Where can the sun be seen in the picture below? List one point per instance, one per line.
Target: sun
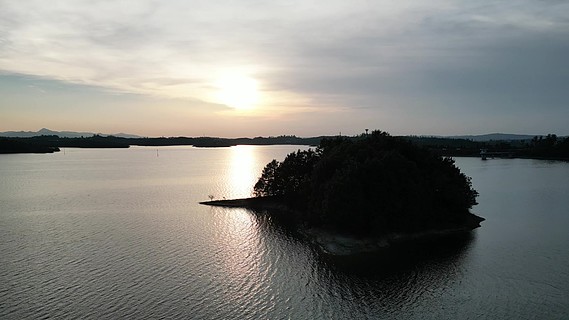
(237, 91)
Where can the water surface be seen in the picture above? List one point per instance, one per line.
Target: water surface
(118, 233)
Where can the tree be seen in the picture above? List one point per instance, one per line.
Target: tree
(269, 184)
(286, 178)
(371, 183)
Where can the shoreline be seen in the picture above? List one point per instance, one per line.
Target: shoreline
(339, 244)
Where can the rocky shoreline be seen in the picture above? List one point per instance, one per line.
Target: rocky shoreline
(337, 244)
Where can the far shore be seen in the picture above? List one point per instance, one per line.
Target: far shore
(549, 148)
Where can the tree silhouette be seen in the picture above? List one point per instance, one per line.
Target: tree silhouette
(374, 183)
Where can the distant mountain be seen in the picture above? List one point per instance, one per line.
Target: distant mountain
(495, 137)
(61, 134)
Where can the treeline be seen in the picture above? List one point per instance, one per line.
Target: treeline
(224, 142)
(371, 184)
(549, 147)
(18, 146)
(51, 141)
(540, 147)
(98, 141)
(546, 147)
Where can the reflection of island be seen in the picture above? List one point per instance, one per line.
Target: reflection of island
(362, 195)
(401, 281)
(401, 256)
(390, 282)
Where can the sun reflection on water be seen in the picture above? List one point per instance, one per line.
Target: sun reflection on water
(240, 262)
(242, 171)
(240, 256)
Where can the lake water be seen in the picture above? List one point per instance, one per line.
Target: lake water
(118, 233)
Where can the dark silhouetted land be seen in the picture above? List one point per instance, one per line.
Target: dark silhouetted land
(359, 194)
(18, 146)
(539, 147)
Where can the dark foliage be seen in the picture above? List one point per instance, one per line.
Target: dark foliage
(370, 184)
(550, 146)
(288, 178)
(17, 146)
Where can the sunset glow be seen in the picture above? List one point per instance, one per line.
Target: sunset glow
(237, 91)
(246, 68)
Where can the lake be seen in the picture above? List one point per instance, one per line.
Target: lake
(119, 233)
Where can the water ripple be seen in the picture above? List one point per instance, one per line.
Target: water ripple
(107, 234)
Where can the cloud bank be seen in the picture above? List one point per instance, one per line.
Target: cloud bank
(412, 65)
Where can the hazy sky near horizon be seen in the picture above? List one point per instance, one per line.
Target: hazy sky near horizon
(249, 68)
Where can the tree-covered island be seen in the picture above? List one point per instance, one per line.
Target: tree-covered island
(352, 195)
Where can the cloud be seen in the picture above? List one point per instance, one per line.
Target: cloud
(446, 56)
(510, 54)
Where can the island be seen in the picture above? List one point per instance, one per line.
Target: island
(354, 195)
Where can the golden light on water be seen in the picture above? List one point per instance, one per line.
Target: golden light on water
(240, 235)
(242, 171)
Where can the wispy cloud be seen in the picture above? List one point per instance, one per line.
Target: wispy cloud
(443, 55)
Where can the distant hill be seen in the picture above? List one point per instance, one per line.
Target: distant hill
(62, 134)
(495, 137)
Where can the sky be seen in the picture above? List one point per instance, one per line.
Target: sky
(237, 68)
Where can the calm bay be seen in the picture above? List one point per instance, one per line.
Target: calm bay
(119, 233)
